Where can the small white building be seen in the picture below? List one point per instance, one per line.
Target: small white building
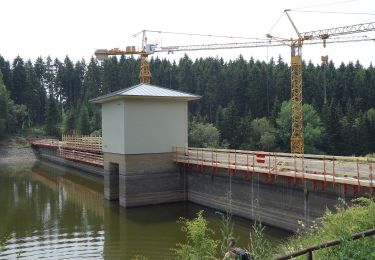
(144, 119)
(140, 126)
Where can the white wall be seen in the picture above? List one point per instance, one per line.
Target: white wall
(154, 125)
(113, 127)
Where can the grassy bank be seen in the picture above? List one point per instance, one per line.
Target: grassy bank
(342, 225)
(347, 221)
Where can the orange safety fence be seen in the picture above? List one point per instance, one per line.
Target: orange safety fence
(84, 149)
(79, 156)
(355, 171)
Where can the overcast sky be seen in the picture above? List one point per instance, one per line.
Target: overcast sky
(77, 27)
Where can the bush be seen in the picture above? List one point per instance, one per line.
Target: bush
(259, 247)
(203, 135)
(226, 230)
(200, 244)
(34, 131)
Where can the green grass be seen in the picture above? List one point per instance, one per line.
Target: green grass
(341, 225)
(347, 221)
(33, 131)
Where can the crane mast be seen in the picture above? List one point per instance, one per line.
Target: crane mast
(144, 73)
(297, 144)
(297, 136)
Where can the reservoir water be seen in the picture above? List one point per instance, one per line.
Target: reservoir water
(51, 212)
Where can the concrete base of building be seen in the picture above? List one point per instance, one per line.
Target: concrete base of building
(148, 189)
(144, 179)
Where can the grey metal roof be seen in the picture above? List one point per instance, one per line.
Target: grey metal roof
(145, 91)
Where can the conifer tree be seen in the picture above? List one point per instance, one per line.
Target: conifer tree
(52, 118)
(110, 75)
(70, 122)
(49, 76)
(92, 86)
(19, 81)
(83, 121)
(4, 99)
(7, 73)
(32, 90)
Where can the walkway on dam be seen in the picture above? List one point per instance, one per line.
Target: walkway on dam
(358, 171)
(83, 149)
(345, 170)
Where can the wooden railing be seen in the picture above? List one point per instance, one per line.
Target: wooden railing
(84, 149)
(82, 143)
(334, 169)
(309, 250)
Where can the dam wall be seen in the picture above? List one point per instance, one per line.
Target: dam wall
(148, 179)
(276, 202)
(51, 155)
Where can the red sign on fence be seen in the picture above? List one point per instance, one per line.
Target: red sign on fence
(260, 158)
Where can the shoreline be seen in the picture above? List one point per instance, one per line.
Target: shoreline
(13, 155)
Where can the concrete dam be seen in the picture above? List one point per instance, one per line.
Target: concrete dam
(144, 157)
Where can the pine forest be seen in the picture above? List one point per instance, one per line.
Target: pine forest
(244, 104)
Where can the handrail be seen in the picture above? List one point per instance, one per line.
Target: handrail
(312, 156)
(84, 149)
(310, 249)
(355, 171)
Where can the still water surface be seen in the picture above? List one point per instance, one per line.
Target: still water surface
(51, 212)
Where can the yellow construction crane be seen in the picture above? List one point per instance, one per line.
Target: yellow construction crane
(146, 49)
(314, 37)
(297, 137)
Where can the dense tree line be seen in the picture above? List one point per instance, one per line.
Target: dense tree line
(245, 100)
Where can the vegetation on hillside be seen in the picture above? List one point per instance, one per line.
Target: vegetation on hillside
(245, 100)
(204, 135)
(340, 225)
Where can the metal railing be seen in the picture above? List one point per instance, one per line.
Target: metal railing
(356, 171)
(309, 250)
(79, 156)
(84, 149)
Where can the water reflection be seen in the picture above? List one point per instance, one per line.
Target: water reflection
(49, 213)
(55, 213)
